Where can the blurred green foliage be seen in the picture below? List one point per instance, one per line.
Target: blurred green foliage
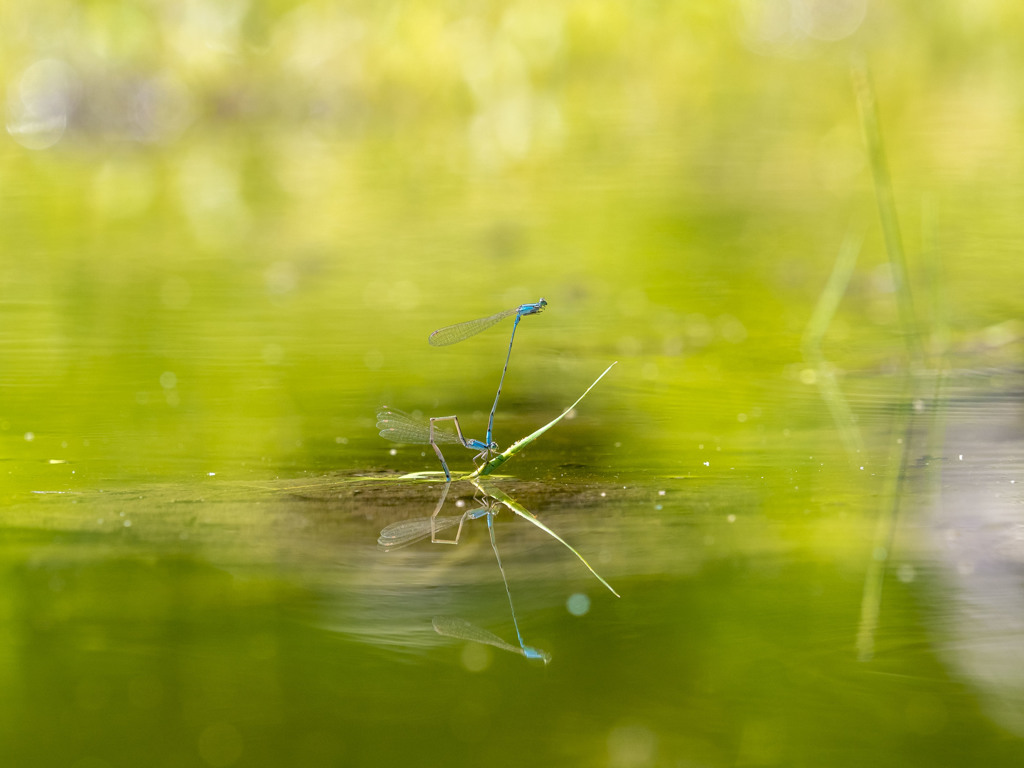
(273, 203)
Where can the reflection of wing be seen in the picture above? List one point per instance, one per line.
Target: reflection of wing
(401, 427)
(406, 532)
(452, 626)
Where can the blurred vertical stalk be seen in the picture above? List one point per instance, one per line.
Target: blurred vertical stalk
(887, 210)
(910, 396)
(934, 277)
(885, 527)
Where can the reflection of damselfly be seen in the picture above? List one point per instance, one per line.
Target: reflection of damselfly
(401, 427)
(406, 532)
(460, 629)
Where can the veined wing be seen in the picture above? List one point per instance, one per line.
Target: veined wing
(452, 626)
(406, 532)
(401, 427)
(452, 334)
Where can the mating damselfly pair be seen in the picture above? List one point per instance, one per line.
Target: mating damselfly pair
(401, 427)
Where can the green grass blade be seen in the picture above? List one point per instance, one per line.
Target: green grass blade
(517, 446)
(526, 514)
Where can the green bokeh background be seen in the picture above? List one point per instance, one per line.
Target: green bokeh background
(226, 229)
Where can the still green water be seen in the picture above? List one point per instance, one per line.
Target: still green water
(225, 235)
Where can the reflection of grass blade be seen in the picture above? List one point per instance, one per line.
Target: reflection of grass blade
(517, 446)
(526, 514)
(832, 293)
(821, 318)
(885, 532)
(451, 626)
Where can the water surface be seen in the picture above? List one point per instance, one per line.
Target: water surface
(224, 240)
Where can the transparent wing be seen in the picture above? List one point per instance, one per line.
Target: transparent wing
(401, 427)
(452, 334)
(406, 532)
(452, 626)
